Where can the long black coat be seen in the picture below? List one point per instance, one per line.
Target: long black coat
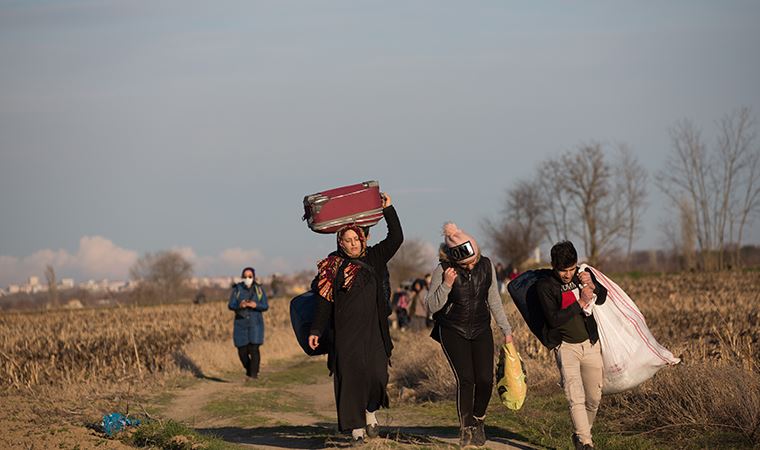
(361, 346)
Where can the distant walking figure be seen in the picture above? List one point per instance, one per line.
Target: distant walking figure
(419, 310)
(248, 300)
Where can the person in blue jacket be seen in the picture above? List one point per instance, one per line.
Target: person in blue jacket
(248, 300)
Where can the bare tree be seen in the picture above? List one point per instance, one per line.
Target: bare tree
(163, 274)
(722, 188)
(522, 229)
(686, 175)
(52, 285)
(680, 236)
(505, 242)
(741, 165)
(555, 201)
(632, 180)
(412, 260)
(688, 238)
(589, 183)
(578, 194)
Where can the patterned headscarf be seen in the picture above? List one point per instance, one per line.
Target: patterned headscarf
(328, 267)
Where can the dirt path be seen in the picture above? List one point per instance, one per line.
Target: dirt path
(291, 406)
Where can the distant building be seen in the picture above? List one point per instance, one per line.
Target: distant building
(213, 282)
(14, 289)
(38, 288)
(67, 283)
(117, 286)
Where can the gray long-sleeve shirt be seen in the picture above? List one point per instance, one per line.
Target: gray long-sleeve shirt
(439, 294)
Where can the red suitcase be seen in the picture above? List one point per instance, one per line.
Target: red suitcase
(326, 212)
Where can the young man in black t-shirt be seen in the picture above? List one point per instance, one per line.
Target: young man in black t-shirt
(566, 299)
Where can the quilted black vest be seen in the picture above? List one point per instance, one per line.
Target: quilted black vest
(466, 309)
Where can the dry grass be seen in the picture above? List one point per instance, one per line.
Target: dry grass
(59, 370)
(711, 321)
(419, 369)
(67, 347)
(703, 397)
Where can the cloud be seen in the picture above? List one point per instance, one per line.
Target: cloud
(188, 253)
(229, 261)
(239, 256)
(98, 258)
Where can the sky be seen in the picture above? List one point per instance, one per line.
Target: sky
(129, 127)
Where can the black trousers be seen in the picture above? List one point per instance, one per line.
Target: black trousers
(472, 363)
(251, 359)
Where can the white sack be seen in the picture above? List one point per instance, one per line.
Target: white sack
(630, 352)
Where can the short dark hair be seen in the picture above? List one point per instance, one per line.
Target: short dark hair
(242, 274)
(563, 255)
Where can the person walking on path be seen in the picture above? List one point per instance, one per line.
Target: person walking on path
(354, 304)
(248, 300)
(419, 311)
(566, 298)
(463, 297)
(400, 305)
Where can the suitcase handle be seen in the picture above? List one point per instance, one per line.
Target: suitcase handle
(314, 206)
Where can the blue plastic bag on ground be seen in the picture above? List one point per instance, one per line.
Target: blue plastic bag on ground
(115, 422)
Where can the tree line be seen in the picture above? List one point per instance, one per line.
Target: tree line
(596, 194)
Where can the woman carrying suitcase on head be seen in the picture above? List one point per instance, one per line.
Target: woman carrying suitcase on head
(354, 303)
(463, 297)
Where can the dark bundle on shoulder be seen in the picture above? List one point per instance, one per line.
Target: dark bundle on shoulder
(523, 292)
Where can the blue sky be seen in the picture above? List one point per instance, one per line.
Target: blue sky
(128, 127)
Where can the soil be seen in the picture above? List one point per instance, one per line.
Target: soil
(33, 423)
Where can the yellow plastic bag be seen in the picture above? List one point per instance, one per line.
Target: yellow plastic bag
(510, 374)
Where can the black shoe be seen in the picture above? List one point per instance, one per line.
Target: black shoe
(358, 442)
(479, 433)
(372, 431)
(465, 439)
(580, 446)
(577, 445)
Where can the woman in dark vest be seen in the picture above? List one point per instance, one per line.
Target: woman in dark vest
(463, 297)
(354, 303)
(248, 300)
